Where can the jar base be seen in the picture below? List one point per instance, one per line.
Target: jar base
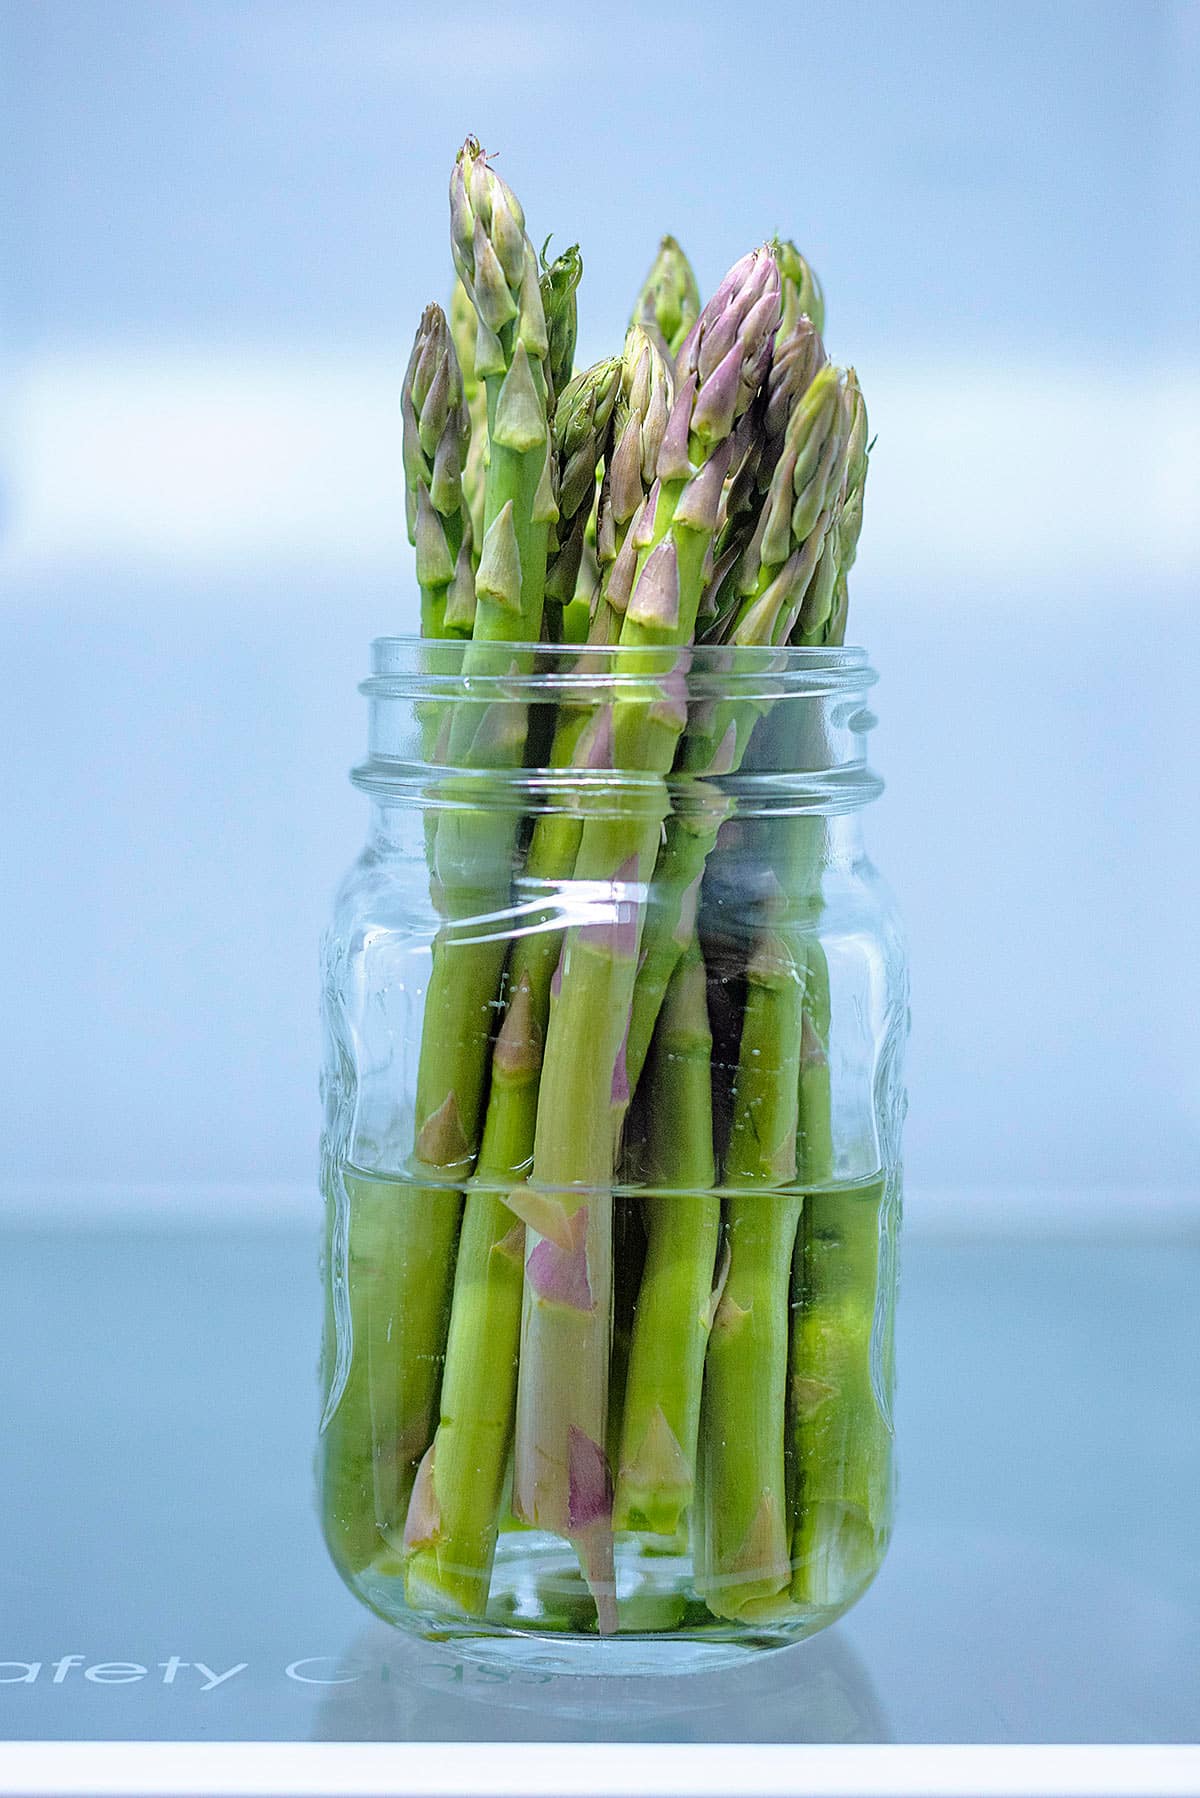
(541, 1619)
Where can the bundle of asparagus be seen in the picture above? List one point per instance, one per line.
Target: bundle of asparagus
(702, 487)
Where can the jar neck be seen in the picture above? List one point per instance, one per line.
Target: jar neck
(534, 728)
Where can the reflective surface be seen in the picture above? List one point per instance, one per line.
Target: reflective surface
(1043, 1583)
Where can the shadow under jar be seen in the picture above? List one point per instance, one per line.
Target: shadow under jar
(614, 1011)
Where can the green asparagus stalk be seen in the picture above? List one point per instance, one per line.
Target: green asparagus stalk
(372, 1433)
(561, 1476)
(581, 430)
(473, 850)
(464, 326)
(453, 1518)
(772, 579)
(673, 1315)
(850, 520)
(842, 1432)
(639, 424)
(842, 1429)
(436, 445)
(559, 285)
(436, 435)
(373, 1439)
(811, 458)
(744, 1559)
(816, 1107)
(669, 302)
(802, 296)
(498, 268)
(455, 1512)
(798, 357)
(822, 617)
(577, 613)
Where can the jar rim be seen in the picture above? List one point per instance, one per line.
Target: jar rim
(419, 681)
(413, 667)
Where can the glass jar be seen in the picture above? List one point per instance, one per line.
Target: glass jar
(611, 1155)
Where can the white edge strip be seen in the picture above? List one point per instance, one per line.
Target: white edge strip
(613, 1769)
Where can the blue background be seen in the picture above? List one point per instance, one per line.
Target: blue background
(220, 222)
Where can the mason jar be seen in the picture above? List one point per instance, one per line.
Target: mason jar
(611, 1154)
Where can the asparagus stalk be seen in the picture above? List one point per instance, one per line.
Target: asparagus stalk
(464, 326)
(798, 357)
(842, 1431)
(561, 1477)
(559, 285)
(674, 1310)
(398, 1243)
(498, 268)
(436, 422)
(772, 580)
(769, 605)
(373, 1430)
(473, 850)
(639, 423)
(581, 430)
(454, 1513)
(802, 296)
(850, 521)
(744, 1560)
(668, 304)
(436, 435)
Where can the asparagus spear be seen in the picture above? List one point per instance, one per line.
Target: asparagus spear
(454, 1516)
(668, 304)
(498, 268)
(436, 434)
(561, 1478)
(842, 1429)
(464, 326)
(744, 1563)
(822, 618)
(838, 1453)
(802, 296)
(372, 1434)
(394, 1241)
(771, 582)
(436, 423)
(850, 521)
(639, 423)
(787, 545)
(583, 737)
(798, 357)
(674, 1307)
(559, 284)
(473, 850)
(581, 428)
(795, 360)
